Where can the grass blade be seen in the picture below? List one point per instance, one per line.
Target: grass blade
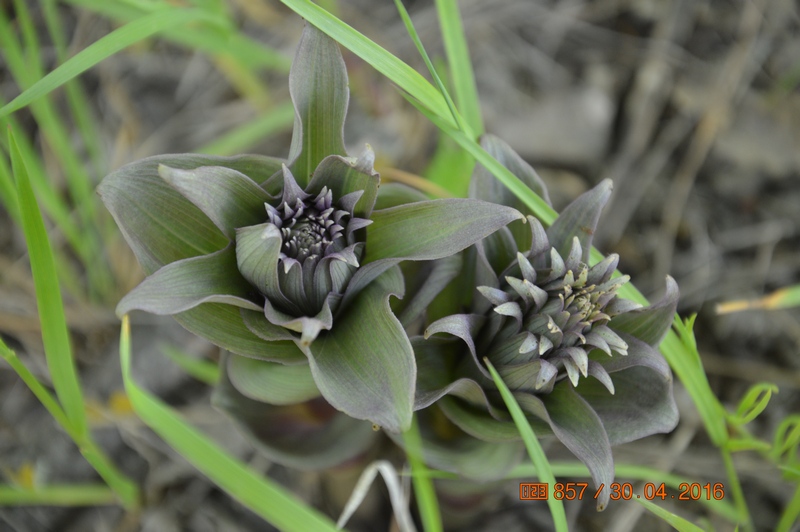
(38, 389)
(679, 523)
(76, 96)
(421, 49)
(535, 450)
(791, 513)
(787, 297)
(55, 495)
(25, 64)
(267, 499)
(202, 370)
(107, 46)
(8, 192)
(48, 298)
(455, 46)
(251, 54)
(423, 487)
(537, 205)
(55, 337)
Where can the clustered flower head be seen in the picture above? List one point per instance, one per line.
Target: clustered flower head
(288, 265)
(303, 257)
(552, 317)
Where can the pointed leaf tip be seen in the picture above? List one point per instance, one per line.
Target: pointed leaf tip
(319, 90)
(580, 218)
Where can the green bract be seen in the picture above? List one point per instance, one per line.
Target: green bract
(580, 361)
(286, 265)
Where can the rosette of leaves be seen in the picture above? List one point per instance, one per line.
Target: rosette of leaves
(582, 362)
(287, 265)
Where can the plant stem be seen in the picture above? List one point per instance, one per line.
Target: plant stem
(738, 494)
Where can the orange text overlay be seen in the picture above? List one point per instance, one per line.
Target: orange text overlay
(568, 491)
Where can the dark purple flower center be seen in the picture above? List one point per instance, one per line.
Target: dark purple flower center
(311, 228)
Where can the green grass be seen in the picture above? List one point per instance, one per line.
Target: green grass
(73, 218)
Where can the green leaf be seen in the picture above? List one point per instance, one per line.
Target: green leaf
(258, 248)
(310, 435)
(159, 224)
(679, 523)
(753, 403)
(652, 323)
(450, 167)
(55, 335)
(787, 438)
(365, 366)
(271, 383)
(737, 445)
(642, 404)
(485, 186)
(580, 429)
(318, 85)
(229, 198)
(187, 283)
(343, 175)
(394, 194)
(580, 218)
(441, 273)
(261, 495)
(106, 47)
(428, 230)
(223, 325)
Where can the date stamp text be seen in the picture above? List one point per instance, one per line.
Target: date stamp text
(569, 491)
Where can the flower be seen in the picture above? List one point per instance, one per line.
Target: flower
(582, 362)
(286, 264)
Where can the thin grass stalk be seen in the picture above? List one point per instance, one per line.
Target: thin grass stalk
(250, 53)
(58, 495)
(76, 95)
(735, 487)
(455, 46)
(535, 451)
(423, 486)
(791, 513)
(462, 126)
(55, 335)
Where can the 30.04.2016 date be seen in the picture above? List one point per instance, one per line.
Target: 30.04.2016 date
(687, 491)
